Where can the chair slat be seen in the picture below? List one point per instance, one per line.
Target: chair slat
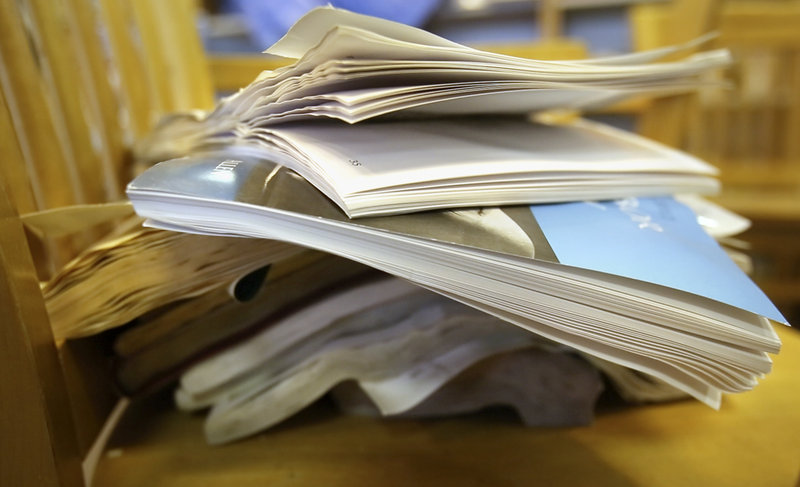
(105, 102)
(13, 170)
(178, 71)
(137, 99)
(38, 444)
(53, 176)
(68, 78)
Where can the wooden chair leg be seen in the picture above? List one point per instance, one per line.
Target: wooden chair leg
(38, 445)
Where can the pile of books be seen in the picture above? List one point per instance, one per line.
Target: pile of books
(419, 245)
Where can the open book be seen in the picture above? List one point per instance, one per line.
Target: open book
(636, 282)
(402, 166)
(458, 135)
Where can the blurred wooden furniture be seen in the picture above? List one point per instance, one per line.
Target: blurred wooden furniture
(81, 80)
(78, 95)
(748, 127)
(664, 24)
(750, 130)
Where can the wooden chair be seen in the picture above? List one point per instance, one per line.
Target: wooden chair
(82, 80)
(747, 128)
(659, 25)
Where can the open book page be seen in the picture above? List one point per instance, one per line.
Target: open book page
(401, 166)
(495, 259)
(410, 153)
(453, 158)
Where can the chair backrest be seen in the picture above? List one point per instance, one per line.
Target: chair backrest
(80, 82)
(83, 79)
(749, 129)
(662, 24)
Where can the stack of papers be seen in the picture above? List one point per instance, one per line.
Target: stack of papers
(408, 154)
(636, 282)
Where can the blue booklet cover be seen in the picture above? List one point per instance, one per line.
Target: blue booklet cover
(656, 240)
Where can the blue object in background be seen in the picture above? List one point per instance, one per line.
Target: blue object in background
(268, 20)
(605, 30)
